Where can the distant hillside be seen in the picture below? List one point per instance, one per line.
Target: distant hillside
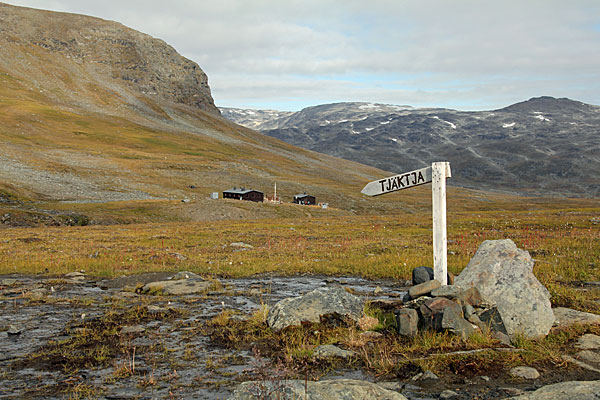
(543, 146)
(99, 119)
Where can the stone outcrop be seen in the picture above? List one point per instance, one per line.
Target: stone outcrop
(503, 275)
(311, 306)
(567, 317)
(324, 390)
(576, 390)
(181, 283)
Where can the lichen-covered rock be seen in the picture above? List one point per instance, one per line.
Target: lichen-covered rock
(567, 317)
(575, 390)
(503, 275)
(177, 287)
(329, 350)
(311, 306)
(335, 389)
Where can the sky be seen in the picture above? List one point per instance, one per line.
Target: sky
(291, 54)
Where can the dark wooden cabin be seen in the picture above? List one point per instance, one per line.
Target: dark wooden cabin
(305, 199)
(244, 194)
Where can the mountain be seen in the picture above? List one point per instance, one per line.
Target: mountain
(542, 146)
(101, 120)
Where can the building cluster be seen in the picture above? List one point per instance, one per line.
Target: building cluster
(258, 196)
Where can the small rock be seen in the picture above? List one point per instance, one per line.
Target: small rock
(421, 275)
(13, 331)
(75, 275)
(132, 329)
(184, 275)
(485, 378)
(424, 375)
(8, 282)
(449, 291)
(589, 341)
(407, 322)
(377, 290)
(241, 245)
(328, 350)
(311, 306)
(423, 288)
(468, 310)
(589, 356)
(574, 390)
(567, 317)
(524, 372)
(448, 395)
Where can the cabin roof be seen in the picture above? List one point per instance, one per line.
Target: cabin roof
(298, 196)
(240, 191)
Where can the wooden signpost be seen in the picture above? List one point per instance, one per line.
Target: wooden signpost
(436, 174)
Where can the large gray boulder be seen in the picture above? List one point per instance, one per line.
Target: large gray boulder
(574, 390)
(311, 306)
(335, 389)
(503, 275)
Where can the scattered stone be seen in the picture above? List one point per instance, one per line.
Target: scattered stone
(423, 288)
(407, 322)
(133, 329)
(334, 389)
(152, 309)
(524, 372)
(448, 395)
(589, 356)
(311, 306)
(377, 290)
(8, 282)
(566, 317)
(75, 275)
(329, 350)
(424, 375)
(589, 341)
(574, 390)
(185, 275)
(13, 331)
(485, 378)
(241, 245)
(503, 274)
(581, 364)
(176, 287)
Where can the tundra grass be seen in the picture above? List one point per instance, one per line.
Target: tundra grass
(565, 245)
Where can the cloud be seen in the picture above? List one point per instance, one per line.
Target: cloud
(462, 52)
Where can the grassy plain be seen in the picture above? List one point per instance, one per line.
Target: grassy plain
(565, 244)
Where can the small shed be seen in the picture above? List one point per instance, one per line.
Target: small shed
(244, 194)
(305, 199)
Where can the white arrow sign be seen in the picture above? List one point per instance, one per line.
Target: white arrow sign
(398, 182)
(437, 174)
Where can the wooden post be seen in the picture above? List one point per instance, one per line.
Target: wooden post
(440, 171)
(436, 174)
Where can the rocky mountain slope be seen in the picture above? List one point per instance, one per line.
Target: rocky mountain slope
(99, 119)
(543, 146)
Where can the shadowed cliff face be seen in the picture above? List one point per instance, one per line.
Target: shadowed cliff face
(98, 52)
